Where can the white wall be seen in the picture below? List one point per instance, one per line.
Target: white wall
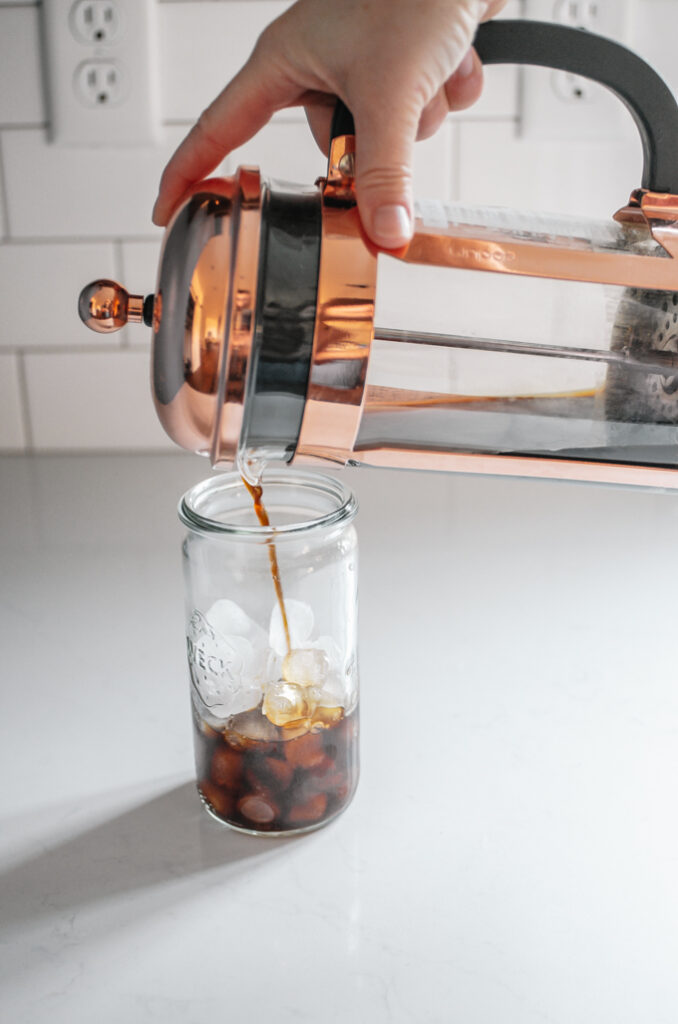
(70, 215)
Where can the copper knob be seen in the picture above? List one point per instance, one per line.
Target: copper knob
(106, 306)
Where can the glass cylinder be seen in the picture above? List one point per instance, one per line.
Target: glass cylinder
(271, 632)
(503, 364)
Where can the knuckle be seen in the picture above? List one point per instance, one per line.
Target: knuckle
(206, 129)
(388, 178)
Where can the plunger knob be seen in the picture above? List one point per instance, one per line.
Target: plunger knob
(105, 306)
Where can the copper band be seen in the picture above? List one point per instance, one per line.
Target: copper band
(135, 309)
(514, 465)
(344, 321)
(561, 258)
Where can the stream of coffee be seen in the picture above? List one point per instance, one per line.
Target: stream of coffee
(256, 492)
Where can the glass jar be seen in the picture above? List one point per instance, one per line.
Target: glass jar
(271, 632)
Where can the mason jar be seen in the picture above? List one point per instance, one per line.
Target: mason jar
(271, 634)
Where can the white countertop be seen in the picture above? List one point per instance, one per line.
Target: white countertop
(511, 856)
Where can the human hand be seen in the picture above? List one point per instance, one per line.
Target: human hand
(398, 65)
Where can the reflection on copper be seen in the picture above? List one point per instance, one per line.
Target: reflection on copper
(237, 343)
(157, 312)
(135, 309)
(105, 306)
(205, 376)
(190, 415)
(206, 413)
(204, 324)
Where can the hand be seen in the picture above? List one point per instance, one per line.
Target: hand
(398, 65)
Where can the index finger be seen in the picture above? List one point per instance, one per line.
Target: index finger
(239, 111)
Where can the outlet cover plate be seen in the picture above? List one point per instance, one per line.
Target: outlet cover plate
(557, 107)
(83, 39)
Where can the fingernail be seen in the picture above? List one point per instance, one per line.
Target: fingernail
(392, 224)
(465, 69)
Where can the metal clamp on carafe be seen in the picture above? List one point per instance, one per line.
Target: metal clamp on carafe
(263, 319)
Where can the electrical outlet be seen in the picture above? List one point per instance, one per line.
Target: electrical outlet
(99, 81)
(559, 106)
(95, 22)
(101, 60)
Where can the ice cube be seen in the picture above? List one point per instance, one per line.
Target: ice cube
(273, 668)
(305, 667)
(251, 729)
(230, 619)
(332, 693)
(286, 702)
(300, 622)
(331, 648)
(225, 670)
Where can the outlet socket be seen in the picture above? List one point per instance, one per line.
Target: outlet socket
(95, 22)
(99, 82)
(101, 72)
(561, 107)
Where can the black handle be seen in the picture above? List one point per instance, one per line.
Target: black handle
(342, 121)
(580, 52)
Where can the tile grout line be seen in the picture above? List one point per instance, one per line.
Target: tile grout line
(81, 349)
(25, 404)
(47, 240)
(4, 198)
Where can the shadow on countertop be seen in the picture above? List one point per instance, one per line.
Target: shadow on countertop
(161, 844)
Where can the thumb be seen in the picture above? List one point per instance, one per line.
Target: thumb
(384, 153)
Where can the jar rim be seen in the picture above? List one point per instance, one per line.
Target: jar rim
(345, 504)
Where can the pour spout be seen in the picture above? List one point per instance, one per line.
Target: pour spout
(105, 306)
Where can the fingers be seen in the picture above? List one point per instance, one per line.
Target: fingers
(319, 117)
(493, 8)
(241, 109)
(384, 152)
(464, 87)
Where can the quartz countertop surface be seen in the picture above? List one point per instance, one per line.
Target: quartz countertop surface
(511, 854)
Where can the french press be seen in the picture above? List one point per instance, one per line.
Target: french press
(263, 319)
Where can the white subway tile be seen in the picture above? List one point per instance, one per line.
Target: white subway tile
(432, 165)
(499, 97)
(500, 87)
(586, 179)
(41, 284)
(92, 401)
(21, 99)
(653, 36)
(61, 191)
(11, 424)
(203, 45)
(284, 152)
(140, 266)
